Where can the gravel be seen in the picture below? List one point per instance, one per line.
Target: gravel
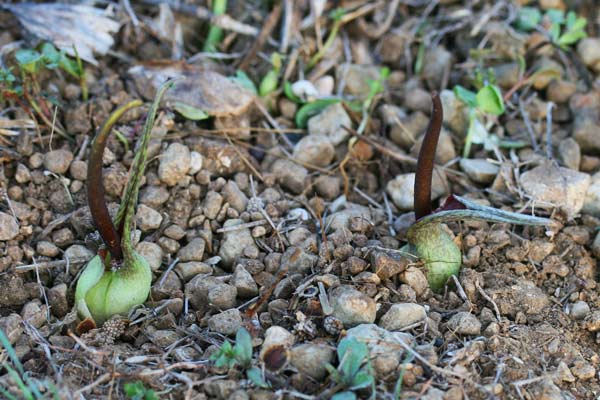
(58, 161)
(401, 315)
(352, 307)
(9, 228)
(174, 164)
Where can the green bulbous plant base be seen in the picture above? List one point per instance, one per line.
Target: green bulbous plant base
(102, 294)
(436, 248)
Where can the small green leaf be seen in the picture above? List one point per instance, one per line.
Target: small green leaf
(311, 109)
(570, 37)
(254, 375)
(135, 390)
(69, 66)
(528, 18)
(334, 374)
(420, 58)
(579, 24)
(466, 96)
(362, 380)
(269, 83)
(344, 396)
(554, 32)
(189, 112)
(243, 347)
(50, 55)
(28, 60)
(352, 354)
(489, 100)
(244, 80)
(555, 16)
(289, 93)
(337, 13)
(7, 76)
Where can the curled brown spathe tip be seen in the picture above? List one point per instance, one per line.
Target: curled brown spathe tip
(425, 162)
(95, 188)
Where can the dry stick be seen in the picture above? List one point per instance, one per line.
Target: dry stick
(95, 192)
(528, 125)
(288, 16)
(51, 264)
(549, 152)
(375, 32)
(425, 162)
(244, 159)
(264, 34)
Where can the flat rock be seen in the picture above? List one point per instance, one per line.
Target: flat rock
(314, 150)
(352, 307)
(227, 322)
(290, 175)
(234, 242)
(58, 161)
(193, 251)
(188, 270)
(330, 123)
(341, 219)
(402, 188)
(558, 186)
(244, 283)
(479, 170)
(174, 164)
(401, 315)
(147, 219)
(385, 351)
(203, 89)
(464, 323)
(310, 359)
(152, 252)
(9, 228)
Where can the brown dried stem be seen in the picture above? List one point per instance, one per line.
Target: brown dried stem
(426, 159)
(95, 188)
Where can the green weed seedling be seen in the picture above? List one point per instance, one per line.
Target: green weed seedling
(484, 105)
(354, 371)
(215, 34)
(270, 81)
(564, 30)
(239, 354)
(137, 391)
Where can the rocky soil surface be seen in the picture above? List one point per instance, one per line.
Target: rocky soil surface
(267, 216)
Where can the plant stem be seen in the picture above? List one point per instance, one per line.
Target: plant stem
(215, 33)
(424, 173)
(95, 188)
(334, 31)
(129, 201)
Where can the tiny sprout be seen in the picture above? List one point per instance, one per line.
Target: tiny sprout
(114, 282)
(427, 238)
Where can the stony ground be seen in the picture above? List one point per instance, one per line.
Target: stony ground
(290, 227)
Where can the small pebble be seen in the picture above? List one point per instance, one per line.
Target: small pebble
(9, 228)
(174, 164)
(227, 322)
(352, 307)
(401, 315)
(147, 219)
(58, 161)
(464, 323)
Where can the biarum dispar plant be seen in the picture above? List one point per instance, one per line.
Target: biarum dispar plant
(118, 278)
(428, 240)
